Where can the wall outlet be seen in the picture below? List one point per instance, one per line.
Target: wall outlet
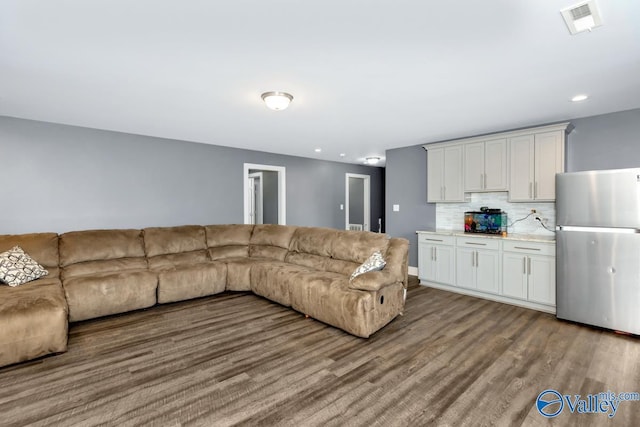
(396, 208)
(341, 207)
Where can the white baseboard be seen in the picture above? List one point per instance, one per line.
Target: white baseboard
(413, 271)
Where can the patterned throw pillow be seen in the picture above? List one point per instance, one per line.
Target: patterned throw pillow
(16, 267)
(374, 263)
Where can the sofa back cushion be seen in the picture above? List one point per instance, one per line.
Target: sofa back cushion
(228, 240)
(171, 246)
(42, 247)
(311, 247)
(357, 246)
(270, 241)
(100, 245)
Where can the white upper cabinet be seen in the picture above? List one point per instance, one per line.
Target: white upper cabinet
(444, 174)
(523, 162)
(485, 166)
(534, 161)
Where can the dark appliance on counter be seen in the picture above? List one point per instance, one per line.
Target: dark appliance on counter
(485, 221)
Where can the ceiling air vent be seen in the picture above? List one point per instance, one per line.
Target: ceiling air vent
(582, 16)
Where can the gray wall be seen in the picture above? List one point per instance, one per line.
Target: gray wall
(406, 176)
(607, 141)
(356, 202)
(60, 178)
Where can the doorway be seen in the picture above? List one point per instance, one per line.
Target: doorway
(264, 194)
(357, 202)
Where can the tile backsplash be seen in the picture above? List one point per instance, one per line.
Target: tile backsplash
(450, 216)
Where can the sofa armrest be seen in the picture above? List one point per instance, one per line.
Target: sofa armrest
(373, 280)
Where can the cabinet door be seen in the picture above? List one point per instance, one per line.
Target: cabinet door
(423, 261)
(542, 279)
(495, 165)
(474, 167)
(444, 264)
(514, 275)
(453, 191)
(466, 268)
(488, 271)
(435, 175)
(548, 162)
(521, 168)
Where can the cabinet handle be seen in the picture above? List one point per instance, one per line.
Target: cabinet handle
(433, 240)
(477, 263)
(526, 249)
(530, 190)
(524, 265)
(529, 262)
(474, 243)
(473, 259)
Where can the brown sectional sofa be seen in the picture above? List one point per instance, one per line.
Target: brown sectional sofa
(96, 273)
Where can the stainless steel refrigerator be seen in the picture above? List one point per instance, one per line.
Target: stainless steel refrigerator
(598, 248)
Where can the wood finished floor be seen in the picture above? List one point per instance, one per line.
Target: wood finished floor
(240, 359)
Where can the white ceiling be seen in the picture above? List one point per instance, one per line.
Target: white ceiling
(366, 75)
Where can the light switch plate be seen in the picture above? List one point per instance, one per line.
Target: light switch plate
(396, 208)
(341, 207)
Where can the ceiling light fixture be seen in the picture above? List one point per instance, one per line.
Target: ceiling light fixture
(318, 150)
(579, 98)
(277, 100)
(372, 160)
(342, 154)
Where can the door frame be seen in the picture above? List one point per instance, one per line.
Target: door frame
(367, 200)
(282, 190)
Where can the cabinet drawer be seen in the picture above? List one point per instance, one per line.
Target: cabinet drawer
(436, 239)
(478, 242)
(534, 248)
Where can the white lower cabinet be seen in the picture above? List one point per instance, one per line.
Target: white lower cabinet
(520, 272)
(436, 259)
(529, 272)
(478, 264)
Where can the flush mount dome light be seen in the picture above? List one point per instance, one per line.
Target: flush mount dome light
(579, 98)
(372, 160)
(277, 100)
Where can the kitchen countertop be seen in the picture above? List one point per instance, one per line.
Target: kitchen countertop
(511, 236)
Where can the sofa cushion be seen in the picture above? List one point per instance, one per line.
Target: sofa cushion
(161, 262)
(93, 245)
(315, 262)
(173, 240)
(345, 268)
(313, 240)
(239, 272)
(228, 234)
(103, 294)
(272, 279)
(270, 241)
(33, 321)
(105, 266)
(328, 298)
(42, 247)
(357, 246)
(191, 281)
(17, 267)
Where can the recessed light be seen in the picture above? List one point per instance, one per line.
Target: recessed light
(579, 98)
(317, 150)
(342, 154)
